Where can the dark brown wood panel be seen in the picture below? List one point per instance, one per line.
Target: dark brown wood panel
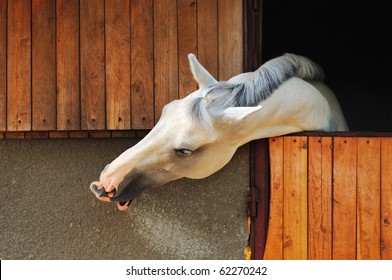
(165, 54)
(207, 35)
(118, 68)
(142, 63)
(19, 66)
(43, 65)
(187, 43)
(83, 65)
(68, 77)
(230, 26)
(3, 65)
(92, 64)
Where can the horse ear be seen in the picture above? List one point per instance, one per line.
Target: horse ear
(234, 115)
(201, 75)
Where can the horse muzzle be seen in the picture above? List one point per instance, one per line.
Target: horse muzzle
(131, 186)
(103, 195)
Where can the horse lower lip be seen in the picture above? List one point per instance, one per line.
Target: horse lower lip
(122, 206)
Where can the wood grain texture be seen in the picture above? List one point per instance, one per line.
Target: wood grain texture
(295, 210)
(68, 78)
(259, 197)
(142, 63)
(368, 196)
(320, 198)
(165, 54)
(230, 38)
(274, 244)
(3, 65)
(19, 66)
(118, 59)
(43, 65)
(92, 64)
(207, 35)
(386, 199)
(187, 43)
(344, 199)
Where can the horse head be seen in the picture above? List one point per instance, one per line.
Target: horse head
(190, 140)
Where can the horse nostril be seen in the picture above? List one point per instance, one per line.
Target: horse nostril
(98, 190)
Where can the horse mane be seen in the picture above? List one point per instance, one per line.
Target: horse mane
(264, 81)
(259, 86)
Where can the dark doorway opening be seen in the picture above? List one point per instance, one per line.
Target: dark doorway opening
(351, 40)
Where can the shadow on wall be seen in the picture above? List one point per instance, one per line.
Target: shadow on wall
(48, 212)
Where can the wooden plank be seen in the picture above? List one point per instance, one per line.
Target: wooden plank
(58, 134)
(118, 59)
(274, 244)
(36, 134)
(368, 197)
(124, 134)
(207, 35)
(142, 63)
(187, 43)
(78, 134)
(142, 133)
(320, 198)
(259, 201)
(92, 64)
(15, 135)
(165, 54)
(295, 210)
(343, 134)
(344, 198)
(99, 134)
(230, 34)
(386, 199)
(67, 46)
(19, 66)
(43, 65)
(3, 65)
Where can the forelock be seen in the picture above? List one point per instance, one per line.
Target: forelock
(200, 113)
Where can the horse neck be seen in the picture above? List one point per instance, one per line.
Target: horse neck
(256, 129)
(286, 111)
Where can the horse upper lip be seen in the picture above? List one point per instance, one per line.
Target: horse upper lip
(99, 192)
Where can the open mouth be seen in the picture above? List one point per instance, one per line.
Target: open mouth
(103, 195)
(122, 206)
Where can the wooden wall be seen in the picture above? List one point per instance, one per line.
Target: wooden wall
(331, 198)
(107, 65)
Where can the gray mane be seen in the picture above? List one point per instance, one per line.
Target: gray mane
(259, 86)
(264, 81)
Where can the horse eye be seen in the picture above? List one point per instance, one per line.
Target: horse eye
(183, 152)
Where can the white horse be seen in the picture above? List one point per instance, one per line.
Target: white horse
(197, 135)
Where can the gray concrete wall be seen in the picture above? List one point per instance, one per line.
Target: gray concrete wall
(48, 212)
